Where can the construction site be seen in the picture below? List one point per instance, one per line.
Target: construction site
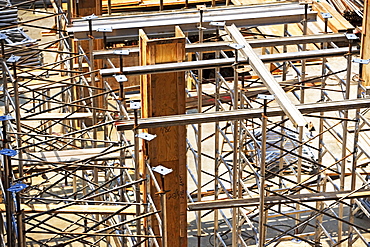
(175, 123)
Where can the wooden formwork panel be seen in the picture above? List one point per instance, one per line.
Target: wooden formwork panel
(162, 95)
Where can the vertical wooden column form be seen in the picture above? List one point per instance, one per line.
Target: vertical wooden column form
(83, 8)
(365, 42)
(161, 95)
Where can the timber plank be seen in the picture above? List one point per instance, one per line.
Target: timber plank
(58, 116)
(272, 200)
(268, 80)
(72, 155)
(337, 23)
(73, 209)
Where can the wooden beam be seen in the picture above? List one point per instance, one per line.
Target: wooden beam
(268, 80)
(57, 116)
(72, 155)
(337, 23)
(272, 200)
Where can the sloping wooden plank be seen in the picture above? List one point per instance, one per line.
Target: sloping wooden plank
(268, 80)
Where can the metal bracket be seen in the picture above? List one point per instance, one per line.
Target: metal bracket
(120, 78)
(295, 240)
(162, 170)
(135, 105)
(8, 152)
(90, 17)
(363, 61)
(6, 117)
(146, 136)
(3, 36)
(15, 188)
(217, 23)
(265, 96)
(201, 7)
(302, 2)
(13, 59)
(326, 15)
(105, 29)
(121, 52)
(236, 46)
(351, 36)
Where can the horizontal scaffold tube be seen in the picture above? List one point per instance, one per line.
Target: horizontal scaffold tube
(153, 24)
(225, 62)
(255, 43)
(211, 117)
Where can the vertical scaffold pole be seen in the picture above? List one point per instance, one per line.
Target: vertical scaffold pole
(262, 179)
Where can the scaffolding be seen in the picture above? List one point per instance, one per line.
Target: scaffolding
(274, 127)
